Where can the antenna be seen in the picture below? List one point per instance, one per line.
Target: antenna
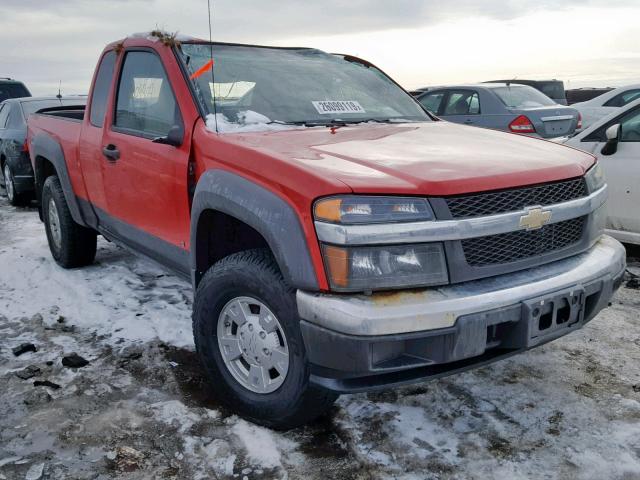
(213, 78)
(59, 95)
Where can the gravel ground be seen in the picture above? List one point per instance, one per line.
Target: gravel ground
(141, 408)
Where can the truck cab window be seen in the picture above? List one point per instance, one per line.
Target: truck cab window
(101, 89)
(146, 103)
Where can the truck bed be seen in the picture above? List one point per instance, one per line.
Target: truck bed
(68, 112)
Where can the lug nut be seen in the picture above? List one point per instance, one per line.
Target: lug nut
(266, 351)
(250, 328)
(263, 335)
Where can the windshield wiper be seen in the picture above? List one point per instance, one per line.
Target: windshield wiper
(335, 122)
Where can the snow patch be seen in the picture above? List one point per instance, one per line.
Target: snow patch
(175, 413)
(260, 444)
(248, 121)
(154, 38)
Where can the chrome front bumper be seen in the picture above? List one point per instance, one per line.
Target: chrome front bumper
(401, 312)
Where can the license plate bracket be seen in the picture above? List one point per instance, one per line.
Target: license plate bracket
(549, 316)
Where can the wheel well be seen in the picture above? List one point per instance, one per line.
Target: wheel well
(220, 235)
(44, 169)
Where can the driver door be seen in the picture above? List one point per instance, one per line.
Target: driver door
(145, 182)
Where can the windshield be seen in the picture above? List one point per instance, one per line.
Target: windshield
(32, 106)
(12, 90)
(258, 85)
(522, 97)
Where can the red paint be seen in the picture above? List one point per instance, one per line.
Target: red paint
(147, 187)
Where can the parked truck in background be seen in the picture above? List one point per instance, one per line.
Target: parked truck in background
(338, 237)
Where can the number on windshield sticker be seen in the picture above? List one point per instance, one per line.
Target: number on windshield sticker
(329, 107)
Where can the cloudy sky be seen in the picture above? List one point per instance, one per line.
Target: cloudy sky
(418, 42)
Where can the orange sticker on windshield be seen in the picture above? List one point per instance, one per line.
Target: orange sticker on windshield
(202, 69)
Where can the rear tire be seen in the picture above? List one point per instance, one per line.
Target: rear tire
(71, 245)
(16, 199)
(252, 277)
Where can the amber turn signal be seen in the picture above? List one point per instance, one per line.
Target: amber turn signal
(337, 260)
(329, 210)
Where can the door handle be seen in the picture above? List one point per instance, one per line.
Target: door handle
(468, 121)
(111, 152)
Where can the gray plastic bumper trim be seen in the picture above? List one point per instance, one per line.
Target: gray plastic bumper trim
(405, 311)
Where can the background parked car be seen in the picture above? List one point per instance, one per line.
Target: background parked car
(10, 88)
(615, 140)
(554, 89)
(512, 108)
(17, 173)
(577, 95)
(607, 103)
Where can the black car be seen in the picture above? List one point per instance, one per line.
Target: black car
(15, 165)
(578, 95)
(554, 89)
(10, 88)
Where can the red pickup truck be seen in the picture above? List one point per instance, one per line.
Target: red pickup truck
(339, 238)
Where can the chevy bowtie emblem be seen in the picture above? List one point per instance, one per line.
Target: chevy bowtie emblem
(535, 218)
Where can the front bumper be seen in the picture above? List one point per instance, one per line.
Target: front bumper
(358, 343)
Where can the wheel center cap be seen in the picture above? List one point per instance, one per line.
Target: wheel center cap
(253, 342)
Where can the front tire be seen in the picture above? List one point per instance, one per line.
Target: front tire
(71, 244)
(247, 335)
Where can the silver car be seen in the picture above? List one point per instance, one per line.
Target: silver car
(501, 106)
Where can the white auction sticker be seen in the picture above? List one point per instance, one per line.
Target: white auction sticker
(329, 107)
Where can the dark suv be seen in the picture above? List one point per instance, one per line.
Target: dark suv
(12, 89)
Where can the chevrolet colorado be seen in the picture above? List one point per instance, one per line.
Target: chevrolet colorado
(339, 238)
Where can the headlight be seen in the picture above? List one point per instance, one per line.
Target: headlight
(595, 178)
(356, 209)
(384, 267)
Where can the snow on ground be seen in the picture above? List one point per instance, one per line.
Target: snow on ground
(142, 408)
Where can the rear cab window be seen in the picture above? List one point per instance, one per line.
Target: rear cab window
(101, 87)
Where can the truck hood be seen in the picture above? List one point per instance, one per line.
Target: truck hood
(431, 158)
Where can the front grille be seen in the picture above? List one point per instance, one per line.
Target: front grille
(510, 200)
(513, 246)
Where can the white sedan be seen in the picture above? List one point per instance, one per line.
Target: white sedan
(605, 104)
(615, 140)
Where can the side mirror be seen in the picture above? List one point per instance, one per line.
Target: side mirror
(613, 137)
(173, 138)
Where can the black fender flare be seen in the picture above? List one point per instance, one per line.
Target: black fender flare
(44, 146)
(262, 210)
